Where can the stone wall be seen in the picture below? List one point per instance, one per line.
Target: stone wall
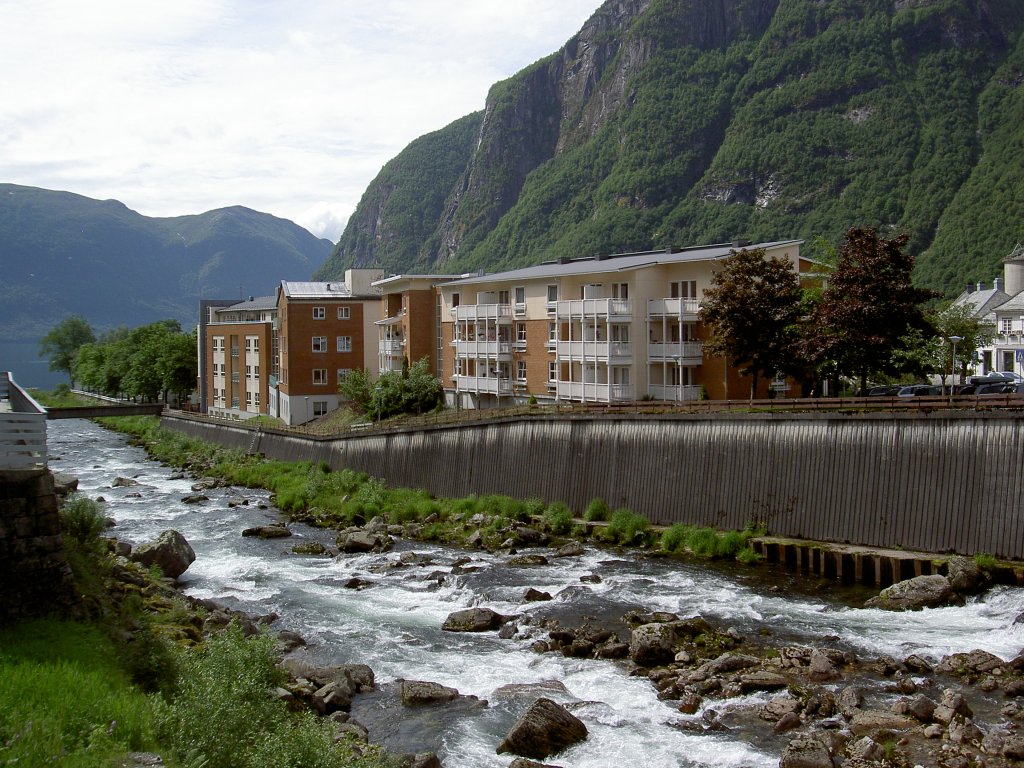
(35, 579)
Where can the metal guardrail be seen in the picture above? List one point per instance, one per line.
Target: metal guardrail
(22, 427)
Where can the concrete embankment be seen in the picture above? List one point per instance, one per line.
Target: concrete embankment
(933, 482)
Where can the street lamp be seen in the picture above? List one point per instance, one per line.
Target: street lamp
(952, 374)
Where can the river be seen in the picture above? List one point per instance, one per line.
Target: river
(394, 625)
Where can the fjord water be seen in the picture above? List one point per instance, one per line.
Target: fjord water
(394, 624)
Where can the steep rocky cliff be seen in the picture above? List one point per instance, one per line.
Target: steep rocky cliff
(690, 121)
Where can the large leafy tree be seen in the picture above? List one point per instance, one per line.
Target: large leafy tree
(62, 343)
(868, 309)
(412, 390)
(752, 312)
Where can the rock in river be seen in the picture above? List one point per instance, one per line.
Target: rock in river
(170, 553)
(544, 729)
(914, 594)
(473, 620)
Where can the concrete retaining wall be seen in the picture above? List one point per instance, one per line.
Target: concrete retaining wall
(940, 482)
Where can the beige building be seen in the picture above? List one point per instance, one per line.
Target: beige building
(234, 356)
(603, 329)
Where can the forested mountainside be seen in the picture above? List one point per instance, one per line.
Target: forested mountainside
(67, 254)
(681, 122)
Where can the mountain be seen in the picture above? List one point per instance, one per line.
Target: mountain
(67, 254)
(680, 122)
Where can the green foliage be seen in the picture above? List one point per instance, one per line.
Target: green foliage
(703, 542)
(752, 312)
(558, 518)
(985, 561)
(141, 362)
(226, 712)
(597, 511)
(626, 527)
(64, 700)
(62, 343)
(748, 556)
(673, 539)
(413, 390)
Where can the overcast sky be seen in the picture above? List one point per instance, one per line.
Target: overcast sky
(286, 107)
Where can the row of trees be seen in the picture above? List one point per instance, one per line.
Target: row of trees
(148, 362)
(868, 322)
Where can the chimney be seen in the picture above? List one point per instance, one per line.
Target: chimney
(970, 287)
(981, 286)
(998, 284)
(740, 243)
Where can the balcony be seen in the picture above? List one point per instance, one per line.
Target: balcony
(483, 349)
(619, 351)
(501, 313)
(682, 352)
(391, 346)
(593, 392)
(22, 428)
(674, 392)
(619, 310)
(676, 308)
(483, 384)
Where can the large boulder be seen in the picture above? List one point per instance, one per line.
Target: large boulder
(544, 729)
(170, 552)
(353, 542)
(805, 752)
(652, 644)
(914, 594)
(414, 693)
(473, 620)
(965, 576)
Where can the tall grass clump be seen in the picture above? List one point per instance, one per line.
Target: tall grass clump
(626, 527)
(557, 518)
(673, 540)
(702, 542)
(64, 700)
(225, 714)
(597, 511)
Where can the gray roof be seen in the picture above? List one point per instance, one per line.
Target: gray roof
(1016, 304)
(252, 304)
(984, 302)
(329, 290)
(616, 263)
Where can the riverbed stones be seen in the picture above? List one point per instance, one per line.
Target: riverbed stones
(123, 482)
(914, 594)
(546, 728)
(170, 552)
(652, 644)
(876, 723)
(473, 620)
(361, 540)
(976, 662)
(415, 693)
(805, 752)
(527, 560)
(272, 531)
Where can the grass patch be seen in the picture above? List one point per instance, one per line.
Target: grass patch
(557, 518)
(627, 528)
(597, 511)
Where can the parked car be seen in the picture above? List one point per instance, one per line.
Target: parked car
(912, 390)
(997, 388)
(964, 389)
(886, 391)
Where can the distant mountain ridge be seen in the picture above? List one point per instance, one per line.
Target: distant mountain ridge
(62, 253)
(680, 122)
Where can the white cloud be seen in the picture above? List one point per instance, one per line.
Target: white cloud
(286, 108)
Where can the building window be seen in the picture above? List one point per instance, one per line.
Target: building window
(234, 402)
(255, 345)
(620, 291)
(319, 408)
(319, 343)
(1005, 325)
(521, 334)
(319, 375)
(344, 343)
(520, 295)
(521, 370)
(552, 297)
(552, 370)
(455, 299)
(552, 333)
(248, 371)
(503, 297)
(256, 399)
(234, 377)
(255, 371)
(344, 313)
(319, 313)
(457, 369)
(683, 289)
(248, 399)
(343, 373)
(248, 344)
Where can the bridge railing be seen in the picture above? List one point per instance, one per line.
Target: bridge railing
(22, 427)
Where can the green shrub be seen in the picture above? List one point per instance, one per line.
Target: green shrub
(730, 543)
(597, 511)
(82, 522)
(985, 561)
(748, 556)
(626, 527)
(703, 542)
(558, 518)
(674, 538)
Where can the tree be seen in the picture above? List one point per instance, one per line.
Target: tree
(62, 343)
(867, 309)
(752, 312)
(974, 332)
(412, 390)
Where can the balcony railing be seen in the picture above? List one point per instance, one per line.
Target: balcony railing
(675, 392)
(594, 350)
(22, 427)
(498, 312)
(391, 346)
(483, 384)
(593, 392)
(690, 352)
(673, 308)
(483, 349)
(617, 309)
